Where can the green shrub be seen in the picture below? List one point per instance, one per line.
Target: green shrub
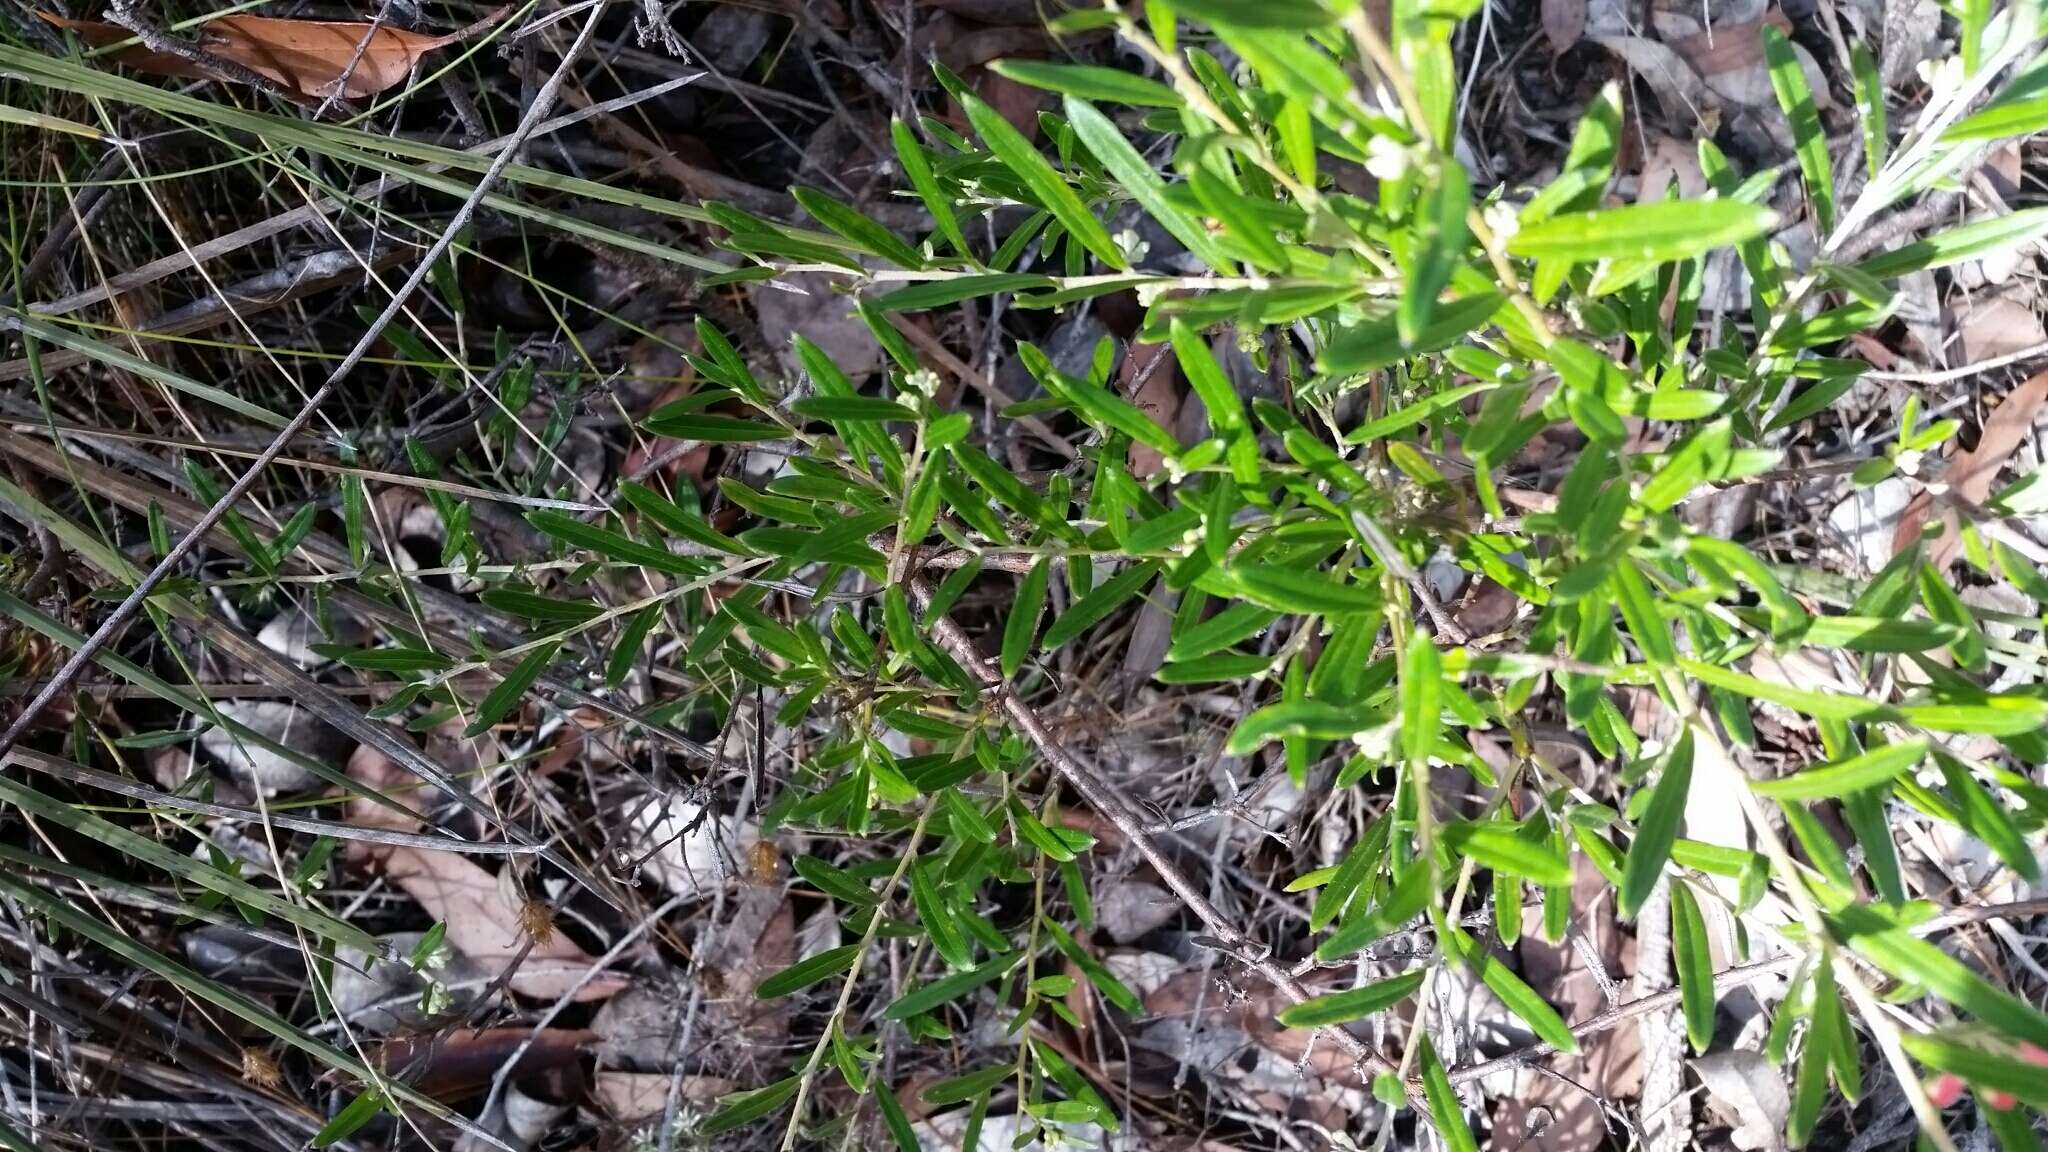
(1416, 340)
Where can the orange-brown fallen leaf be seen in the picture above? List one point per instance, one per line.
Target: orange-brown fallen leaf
(486, 919)
(1972, 474)
(310, 57)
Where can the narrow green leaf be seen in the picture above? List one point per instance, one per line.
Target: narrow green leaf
(1878, 938)
(1819, 705)
(953, 290)
(507, 694)
(672, 518)
(1445, 1112)
(1421, 674)
(612, 545)
(938, 920)
(1089, 82)
(1358, 864)
(1022, 626)
(1658, 231)
(1089, 610)
(712, 428)
(893, 1118)
(1810, 1090)
(918, 168)
(1294, 14)
(1515, 995)
(1297, 590)
(930, 996)
(1501, 846)
(1986, 819)
(350, 1120)
(1404, 902)
(1136, 177)
(1981, 1067)
(1875, 633)
(1376, 343)
(1311, 719)
(1098, 405)
(852, 409)
(1694, 963)
(961, 1089)
(534, 606)
(1436, 246)
(1879, 765)
(855, 228)
(805, 973)
(1809, 141)
(2009, 231)
(1113, 990)
(398, 659)
(743, 1108)
(1048, 187)
(1870, 110)
(1352, 1003)
(834, 882)
(1658, 828)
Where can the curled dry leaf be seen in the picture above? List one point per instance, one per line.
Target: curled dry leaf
(1748, 1093)
(518, 1121)
(1971, 474)
(281, 721)
(384, 996)
(459, 1063)
(690, 850)
(310, 57)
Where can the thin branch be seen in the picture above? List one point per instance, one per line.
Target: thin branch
(1133, 826)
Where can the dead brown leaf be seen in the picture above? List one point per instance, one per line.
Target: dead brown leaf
(1991, 326)
(484, 917)
(630, 1097)
(1564, 21)
(486, 924)
(310, 57)
(1150, 378)
(1552, 1115)
(1971, 474)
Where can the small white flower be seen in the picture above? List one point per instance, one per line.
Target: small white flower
(1147, 293)
(923, 382)
(1502, 219)
(1942, 76)
(1131, 246)
(1909, 461)
(1386, 158)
